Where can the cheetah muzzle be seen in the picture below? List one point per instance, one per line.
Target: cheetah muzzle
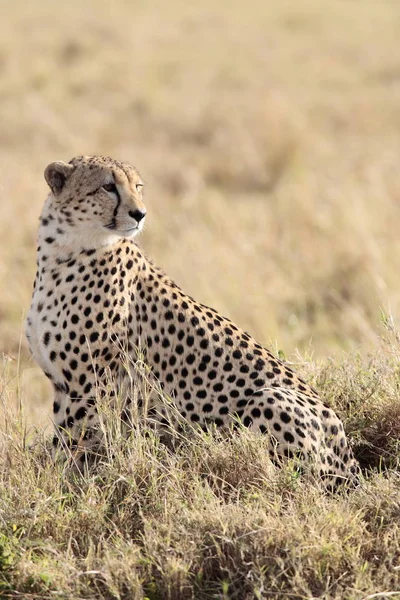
(97, 295)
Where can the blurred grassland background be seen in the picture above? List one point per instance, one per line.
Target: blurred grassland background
(267, 134)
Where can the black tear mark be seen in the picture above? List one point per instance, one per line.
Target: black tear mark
(118, 198)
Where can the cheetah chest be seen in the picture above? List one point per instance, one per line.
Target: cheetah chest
(78, 318)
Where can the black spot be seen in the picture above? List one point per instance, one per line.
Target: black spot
(288, 437)
(300, 432)
(247, 421)
(80, 413)
(67, 374)
(259, 364)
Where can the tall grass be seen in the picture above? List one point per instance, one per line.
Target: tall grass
(210, 516)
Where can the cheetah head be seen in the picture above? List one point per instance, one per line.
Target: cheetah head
(97, 197)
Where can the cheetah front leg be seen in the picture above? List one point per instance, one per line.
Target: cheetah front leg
(76, 432)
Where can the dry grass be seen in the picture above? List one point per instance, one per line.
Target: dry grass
(208, 517)
(268, 134)
(212, 519)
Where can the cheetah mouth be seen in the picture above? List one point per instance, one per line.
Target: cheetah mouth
(128, 232)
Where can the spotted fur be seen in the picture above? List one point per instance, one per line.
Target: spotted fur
(97, 297)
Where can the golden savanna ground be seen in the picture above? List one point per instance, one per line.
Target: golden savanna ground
(268, 134)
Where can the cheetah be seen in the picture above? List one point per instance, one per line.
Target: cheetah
(96, 294)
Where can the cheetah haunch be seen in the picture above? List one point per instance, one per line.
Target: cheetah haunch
(96, 293)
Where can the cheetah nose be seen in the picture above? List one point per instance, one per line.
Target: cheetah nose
(138, 215)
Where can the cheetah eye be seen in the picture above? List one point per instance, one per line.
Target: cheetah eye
(110, 187)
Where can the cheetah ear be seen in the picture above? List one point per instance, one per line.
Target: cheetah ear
(56, 174)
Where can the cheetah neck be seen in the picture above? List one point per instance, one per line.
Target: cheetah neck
(59, 241)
